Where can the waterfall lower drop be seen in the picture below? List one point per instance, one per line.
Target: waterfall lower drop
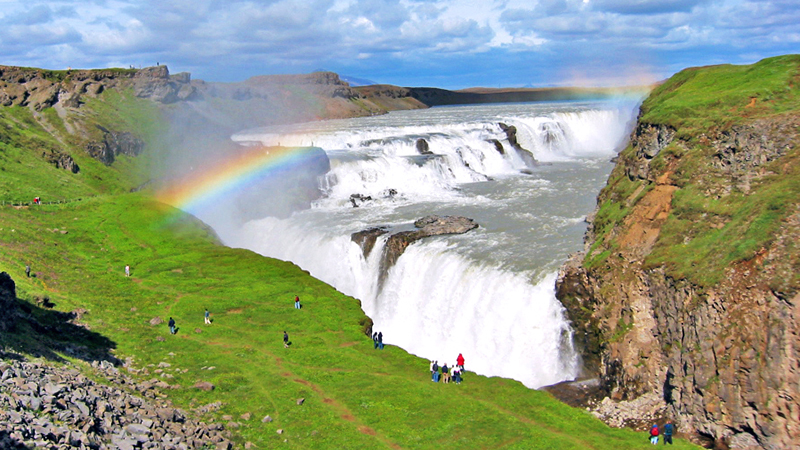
(436, 303)
(488, 294)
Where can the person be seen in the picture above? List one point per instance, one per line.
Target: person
(285, 340)
(28, 270)
(456, 375)
(460, 361)
(445, 374)
(380, 340)
(375, 340)
(669, 429)
(654, 434)
(436, 371)
(431, 369)
(171, 324)
(127, 270)
(207, 317)
(296, 302)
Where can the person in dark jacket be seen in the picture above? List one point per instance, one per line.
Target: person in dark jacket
(285, 340)
(375, 340)
(380, 340)
(171, 324)
(669, 429)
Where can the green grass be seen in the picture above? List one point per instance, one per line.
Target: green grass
(356, 397)
(697, 100)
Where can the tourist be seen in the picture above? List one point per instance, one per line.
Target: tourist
(28, 270)
(456, 375)
(460, 361)
(431, 370)
(207, 317)
(654, 434)
(436, 371)
(375, 340)
(380, 340)
(171, 324)
(285, 340)
(296, 302)
(127, 270)
(668, 430)
(445, 374)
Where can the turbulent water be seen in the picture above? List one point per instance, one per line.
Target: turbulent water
(489, 293)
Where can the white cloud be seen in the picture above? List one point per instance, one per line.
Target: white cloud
(238, 38)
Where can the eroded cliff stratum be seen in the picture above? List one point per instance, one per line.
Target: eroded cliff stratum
(685, 300)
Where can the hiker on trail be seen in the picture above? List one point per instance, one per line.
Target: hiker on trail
(436, 371)
(296, 302)
(669, 429)
(285, 340)
(431, 370)
(654, 434)
(380, 340)
(127, 270)
(171, 324)
(207, 317)
(28, 270)
(375, 340)
(460, 361)
(445, 374)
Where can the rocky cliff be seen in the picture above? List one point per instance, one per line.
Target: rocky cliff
(686, 300)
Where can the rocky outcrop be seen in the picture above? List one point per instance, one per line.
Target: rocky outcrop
(62, 161)
(366, 238)
(721, 359)
(40, 89)
(511, 134)
(59, 407)
(397, 243)
(114, 144)
(8, 296)
(422, 147)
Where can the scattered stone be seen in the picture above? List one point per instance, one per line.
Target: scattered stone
(204, 386)
(198, 330)
(300, 401)
(245, 416)
(266, 419)
(279, 431)
(160, 338)
(156, 321)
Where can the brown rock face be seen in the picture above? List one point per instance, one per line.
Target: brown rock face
(398, 242)
(722, 360)
(511, 135)
(114, 144)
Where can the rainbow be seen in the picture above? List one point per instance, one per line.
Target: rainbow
(206, 186)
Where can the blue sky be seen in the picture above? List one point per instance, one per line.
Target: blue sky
(448, 44)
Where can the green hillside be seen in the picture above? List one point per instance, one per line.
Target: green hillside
(355, 396)
(732, 196)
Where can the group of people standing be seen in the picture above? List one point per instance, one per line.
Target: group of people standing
(377, 340)
(446, 374)
(669, 429)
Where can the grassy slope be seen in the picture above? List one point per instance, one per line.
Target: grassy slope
(707, 232)
(356, 397)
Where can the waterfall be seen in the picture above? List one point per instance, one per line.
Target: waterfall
(489, 293)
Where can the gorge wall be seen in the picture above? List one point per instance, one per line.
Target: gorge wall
(686, 301)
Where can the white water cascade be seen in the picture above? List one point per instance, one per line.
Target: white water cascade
(489, 293)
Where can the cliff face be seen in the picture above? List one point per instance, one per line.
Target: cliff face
(686, 300)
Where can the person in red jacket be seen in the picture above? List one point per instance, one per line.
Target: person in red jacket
(654, 434)
(460, 361)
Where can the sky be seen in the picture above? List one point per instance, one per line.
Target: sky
(448, 44)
